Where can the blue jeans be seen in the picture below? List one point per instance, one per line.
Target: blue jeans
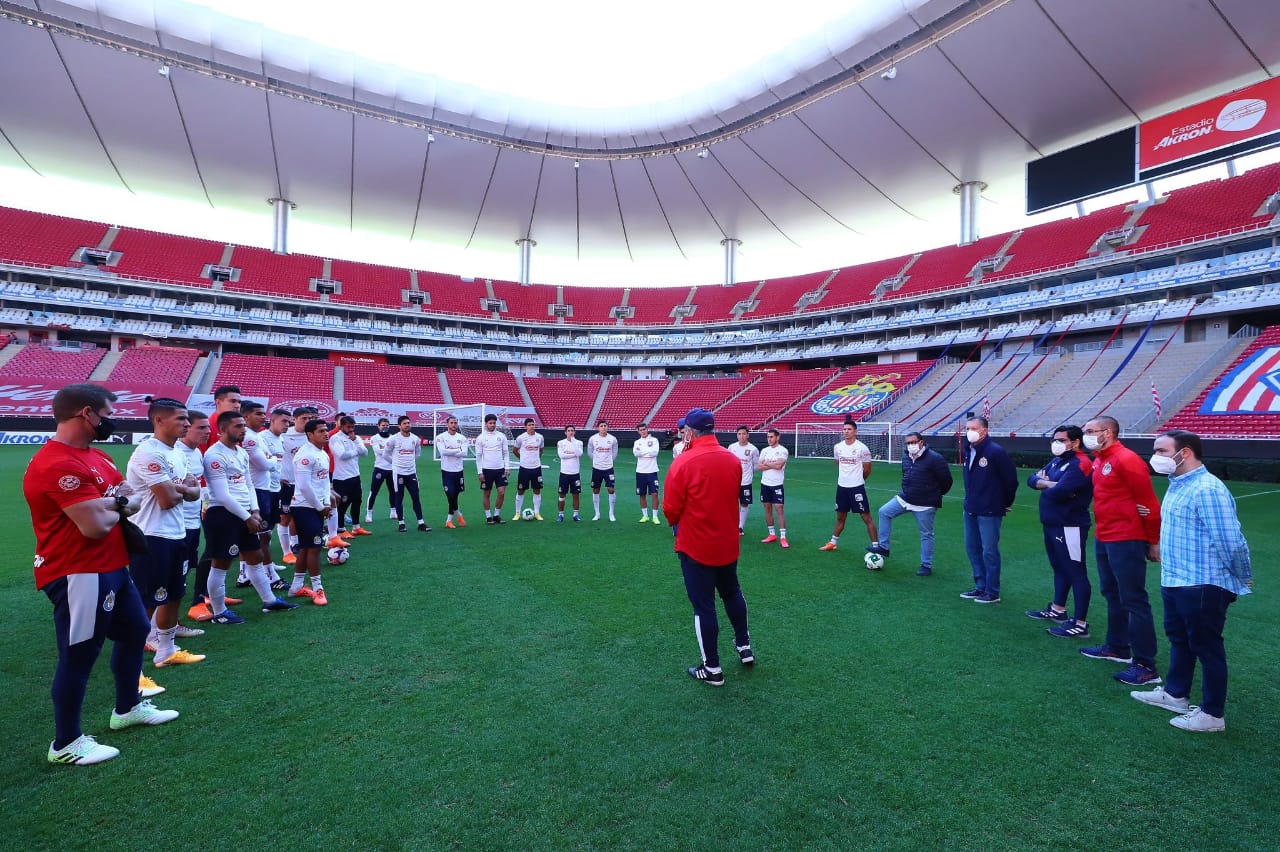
(1122, 578)
(924, 522)
(1194, 617)
(982, 543)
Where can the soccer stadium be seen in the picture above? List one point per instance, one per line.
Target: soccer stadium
(911, 215)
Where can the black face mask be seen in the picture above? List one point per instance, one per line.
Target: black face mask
(105, 429)
(386, 433)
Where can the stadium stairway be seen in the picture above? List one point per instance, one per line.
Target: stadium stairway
(599, 403)
(105, 366)
(10, 350)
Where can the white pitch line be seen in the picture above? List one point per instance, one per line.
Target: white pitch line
(1258, 494)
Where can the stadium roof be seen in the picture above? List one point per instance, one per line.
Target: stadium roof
(405, 123)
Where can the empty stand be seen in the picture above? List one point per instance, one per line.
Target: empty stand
(771, 395)
(715, 302)
(1207, 208)
(947, 267)
(368, 283)
(1061, 242)
(1261, 425)
(451, 295)
(164, 257)
(155, 364)
(593, 304)
(653, 305)
(561, 401)
(629, 401)
(696, 393)
(779, 296)
(856, 285)
(263, 271)
(530, 302)
(276, 378)
(493, 387)
(391, 383)
(39, 361)
(43, 239)
(902, 376)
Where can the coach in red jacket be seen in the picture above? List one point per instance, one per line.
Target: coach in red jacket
(701, 504)
(1127, 535)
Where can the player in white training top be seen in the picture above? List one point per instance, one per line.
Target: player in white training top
(264, 472)
(603, 449)
(452, 446)
(853, 458)
(492, 463)
(403, 448)
(528, 447)
(291, 441)
(569, 450)
(313, 502)
(645, 450)
(681, 442)
(773, 461)
(381, 467)
(749, 458)
(348, 449)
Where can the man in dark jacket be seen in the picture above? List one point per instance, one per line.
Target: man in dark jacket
(990, 486)
(926, 476)
(1066, 491)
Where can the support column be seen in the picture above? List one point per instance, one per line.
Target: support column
(730, 260)
(526, 257)
(280, 208)
(970, 193)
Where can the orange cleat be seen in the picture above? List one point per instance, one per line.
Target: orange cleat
(360, 531)
(200, 612)
(769, 539)
(179, 658)
(449, 525)
(233, 601)
(336, 541)
(304, 592)
(319, 598)
(828, 546)
(462, 522)
(784, 544)
(290, 559)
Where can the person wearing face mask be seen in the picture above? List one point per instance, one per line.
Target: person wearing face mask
(926, 476)
(381, 468)
(1065, 494)
(1204, 566)
(1126, 535)
(990, 487)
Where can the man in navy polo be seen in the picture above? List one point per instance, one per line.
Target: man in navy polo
(990, 486)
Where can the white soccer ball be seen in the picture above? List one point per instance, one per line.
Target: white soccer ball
(338, 555)
(873, 561)
(527, 514)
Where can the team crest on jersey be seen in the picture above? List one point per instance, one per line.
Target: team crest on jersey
(215, 464)
(162, 594)
(154, 467)
(69, 483)
(109, 602)
(233, 550)
(304, 462)
(982, 462)
(1106, 469)
(318, 540)
(866, 393)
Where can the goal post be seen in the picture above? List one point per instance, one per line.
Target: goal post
(817, 440)
(470, 423)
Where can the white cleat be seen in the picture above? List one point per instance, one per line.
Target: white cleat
(612, 519)
(596, 518)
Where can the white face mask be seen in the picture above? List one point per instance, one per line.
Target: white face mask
(1091, 442)
(914, 449)
(1164, 465)
(973, 436)
(1057, 448)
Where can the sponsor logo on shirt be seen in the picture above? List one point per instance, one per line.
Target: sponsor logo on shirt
(154, 467)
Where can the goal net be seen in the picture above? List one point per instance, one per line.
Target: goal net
(818, 440)
(470, 423)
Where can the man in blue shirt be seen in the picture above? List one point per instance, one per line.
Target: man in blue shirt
(990, 487)
(1204, 566)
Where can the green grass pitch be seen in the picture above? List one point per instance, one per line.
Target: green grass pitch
(523, 687)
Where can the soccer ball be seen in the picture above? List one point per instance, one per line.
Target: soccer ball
(527, 514)
(338, 555)
(873, 561)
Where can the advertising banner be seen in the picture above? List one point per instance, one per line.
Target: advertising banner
(33, 396)
(1229, 119)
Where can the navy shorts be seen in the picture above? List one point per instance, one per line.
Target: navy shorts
(269, 506)
(496, 478)
(601, 477)
(95, 608)
(160, 574)
(226, 536)
(646, 483)
(852, 500)
(309, 524)
(745, 497)
(454, 481)
(286, 497)
(570, 483)
(771, 494)
(529, 477)
(193, 547)
(347, 489)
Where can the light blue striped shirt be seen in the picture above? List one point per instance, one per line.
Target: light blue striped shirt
(1200, 540)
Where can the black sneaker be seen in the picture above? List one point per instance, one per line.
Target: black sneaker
(1070, 630)
(876, 548)
(971, 594)
(489, 521)
(497, 519)
(709, 678)
(925, 571)
(746, 655)
(279, 585)
(1138, 675)
(1105, 652)
(243, 584)
(422, 527)
(402, 527)
(987, 597)
(1049, 614)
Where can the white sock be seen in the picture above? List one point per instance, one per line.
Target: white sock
(537, 504)
(771, 531)
(742, 517)
(274, 570)
(519, 502)
(488, 513)
(293, 542)
(835, 539)
(316, 583)
(243, 576)
(299, 580)
(261, 582)
(217, 590)
(164, 643)
(613, 500)
(282, 533)
(644, 513)
(332, 524)
(783, 532)
(595, 501)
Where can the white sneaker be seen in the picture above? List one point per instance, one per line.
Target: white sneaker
(1159, 698)
(596, 518)
(143, 713)
(82, 751)
(185, 632)
(368, 517)
(612, 519)
(1199, 721)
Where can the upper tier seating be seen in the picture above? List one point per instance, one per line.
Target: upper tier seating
(593, 304)
(715, 301)
(278, 379)
(1233, 425)
(629, 401)
(1061, 242)
(368, 283)
(492, 387)
(561, 402)
(43, 239)
(263, 271)
(947, 267)
(530, 302)
(451, 295)
(771, 395)
(142, 364)
(1210, 207)
(391, 383)
(39, 361)
(855, 285)
(696, 393)
(779, 296)
(653, 305)
(146, 254)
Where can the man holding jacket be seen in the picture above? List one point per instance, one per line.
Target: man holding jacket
(926, 476)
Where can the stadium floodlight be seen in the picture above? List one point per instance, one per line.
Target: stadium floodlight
(818, 440)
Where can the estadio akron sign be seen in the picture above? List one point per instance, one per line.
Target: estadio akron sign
(1220, 122)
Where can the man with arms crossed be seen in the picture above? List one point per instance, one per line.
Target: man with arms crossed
(452, 446)
(492, 464)
(569, 451)
(853, 459)
(313, 503)
(773, 461)
(264, 474)
(1204, 566)
(291, 441)
(381, 467)
(528, 448)
(603, 449)
(749, 457)
(699, 505)
(77, 499)
(646, 453)
(348, 449)
(190, 446)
